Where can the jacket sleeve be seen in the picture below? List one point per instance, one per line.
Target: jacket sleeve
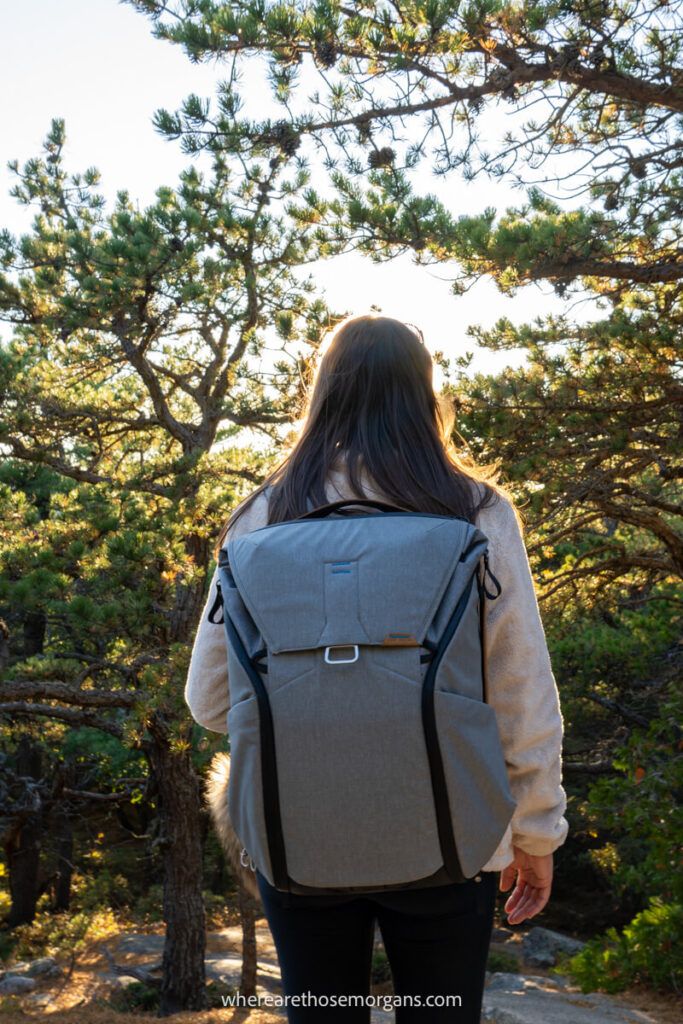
(523, 692)
(207, 692)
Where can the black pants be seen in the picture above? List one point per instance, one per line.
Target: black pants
(436, 942)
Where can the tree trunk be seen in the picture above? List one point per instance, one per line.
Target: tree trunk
(248, 907)
(183, 974)
(35, 626)
(65, 866)
(23, 857)
(4, 645)
(22, 847)
(64, 835)
(189, 598)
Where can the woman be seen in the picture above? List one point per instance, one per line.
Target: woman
(373, 428)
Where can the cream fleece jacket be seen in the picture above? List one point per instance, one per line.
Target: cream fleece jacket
(521, 685)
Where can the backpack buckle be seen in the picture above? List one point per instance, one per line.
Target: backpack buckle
(341, 647)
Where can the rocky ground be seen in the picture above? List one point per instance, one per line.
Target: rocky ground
(532, 993)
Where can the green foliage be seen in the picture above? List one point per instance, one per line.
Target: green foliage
(154, 360)
(617, 642)
(641, 807)
(499, 960)
(135, 364)
(135, 997)
(8, 943)
(149, 906)
(589, 427)
(619, 675)
(381, 968)
(64, 934)
(616, 654)
(588, 78)
(218, 994)
(649, 951)
(91, 915)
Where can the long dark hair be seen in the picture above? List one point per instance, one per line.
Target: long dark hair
(373, 406)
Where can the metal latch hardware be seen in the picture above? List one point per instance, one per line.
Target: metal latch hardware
(341, 661)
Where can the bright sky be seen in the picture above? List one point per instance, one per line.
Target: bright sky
(96, 64)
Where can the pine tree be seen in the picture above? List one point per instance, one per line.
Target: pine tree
(138, 375)
(597, 93)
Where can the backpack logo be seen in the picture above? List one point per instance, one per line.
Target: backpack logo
(400, 640)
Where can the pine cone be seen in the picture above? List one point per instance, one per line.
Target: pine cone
(381, 157)
(639, 168)
(326, 53)
(286, 137)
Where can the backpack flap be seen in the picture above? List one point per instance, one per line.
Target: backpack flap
(378, 580)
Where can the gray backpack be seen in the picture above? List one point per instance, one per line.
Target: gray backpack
(364, 755)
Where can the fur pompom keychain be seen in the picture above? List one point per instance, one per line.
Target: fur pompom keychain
(216, 791)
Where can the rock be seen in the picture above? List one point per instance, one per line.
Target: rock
(548, 981)
(225, 969)
(45, 967)
(118, 982)
(496, 1016)
(39, 999)
(538, 1005)
(540, 946)
(501, 934)
(16, 985)
(506, 981)
(19, 968)
(559, 981)
(140, 944)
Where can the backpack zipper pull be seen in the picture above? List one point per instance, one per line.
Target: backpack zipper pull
(487, 572)
(216, 606)
(245, 860)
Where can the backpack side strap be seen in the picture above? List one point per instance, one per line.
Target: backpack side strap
(483, 596)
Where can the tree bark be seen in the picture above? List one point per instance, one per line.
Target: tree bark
(183, 973)
(35, 626)
(65, 853)
(248, 907)
(22, 846)
(65, 846)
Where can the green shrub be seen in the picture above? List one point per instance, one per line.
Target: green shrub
(649, 951)
(217, 992)
(62, 934)
(8, 942)
(499, 960)
(149, 908)
(641, 809)
(135, 997)
(381, 969)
